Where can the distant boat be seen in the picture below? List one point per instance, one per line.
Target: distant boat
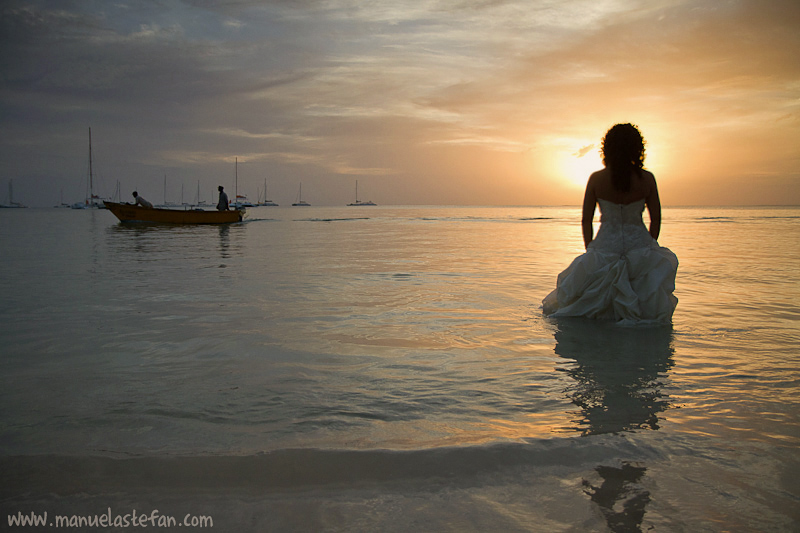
(300, 202)
(135, 213)
(167, 204)
(62, 204)
(239, 200)
(359, 202)
(92, 201)
(198, 202)
(265, 202)
(242, 201)
(11, 203)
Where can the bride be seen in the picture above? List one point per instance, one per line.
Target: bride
(624, 275)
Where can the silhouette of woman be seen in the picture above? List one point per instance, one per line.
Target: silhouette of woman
(624, 274)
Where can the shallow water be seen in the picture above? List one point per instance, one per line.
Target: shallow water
(388, 368)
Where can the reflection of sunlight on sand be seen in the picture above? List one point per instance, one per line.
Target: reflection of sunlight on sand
(551, 422)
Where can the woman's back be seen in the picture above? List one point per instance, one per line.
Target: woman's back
(641, 186)
(601, 187)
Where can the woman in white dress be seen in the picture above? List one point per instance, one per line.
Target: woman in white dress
(624, 275)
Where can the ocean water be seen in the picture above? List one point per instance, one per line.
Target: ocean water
(389, 369)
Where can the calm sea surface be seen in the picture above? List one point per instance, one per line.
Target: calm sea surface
(389, 369)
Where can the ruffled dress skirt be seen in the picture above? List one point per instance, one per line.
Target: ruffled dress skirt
(624, 276)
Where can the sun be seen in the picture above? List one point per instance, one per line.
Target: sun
(578, 164)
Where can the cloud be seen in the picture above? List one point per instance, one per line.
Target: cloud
(396, 89)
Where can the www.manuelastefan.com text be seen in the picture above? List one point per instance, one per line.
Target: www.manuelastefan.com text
(109, 519)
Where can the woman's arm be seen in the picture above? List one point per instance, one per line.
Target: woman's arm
(589, 202)
(653, 204)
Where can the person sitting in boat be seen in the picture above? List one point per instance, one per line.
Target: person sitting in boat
(222, 205)
(141, 201)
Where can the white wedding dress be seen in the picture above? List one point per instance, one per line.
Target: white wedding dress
(623, 276)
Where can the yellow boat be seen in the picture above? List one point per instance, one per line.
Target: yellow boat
(136, 213)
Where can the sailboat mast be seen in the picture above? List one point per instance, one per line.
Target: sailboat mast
(236, 183)
(91, 175)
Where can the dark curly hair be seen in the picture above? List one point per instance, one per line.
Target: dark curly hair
(623, 154)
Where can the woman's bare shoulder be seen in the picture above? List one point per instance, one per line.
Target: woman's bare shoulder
(599, 177)
(649, 180)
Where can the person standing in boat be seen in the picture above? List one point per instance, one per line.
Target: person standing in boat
(138, 200)
(222, 205)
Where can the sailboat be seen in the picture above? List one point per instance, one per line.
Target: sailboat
(266, 202)
(300, 202)
(358, 202)
(11, 202)
(92, 200)
(198, 202)
(62, 204)
(117, 196)
(240, 200)
(166, 204)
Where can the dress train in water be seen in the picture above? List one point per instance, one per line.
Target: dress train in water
(623, 276)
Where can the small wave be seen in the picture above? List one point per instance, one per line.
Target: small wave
(766, 218)
(716, 219)
(483, 219)
(249, 220)
(302, 467)
(344, 219)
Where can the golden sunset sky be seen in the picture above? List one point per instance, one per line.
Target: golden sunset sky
(462, 102)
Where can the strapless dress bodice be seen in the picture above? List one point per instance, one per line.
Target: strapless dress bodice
(621, 214)
(621, 228)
